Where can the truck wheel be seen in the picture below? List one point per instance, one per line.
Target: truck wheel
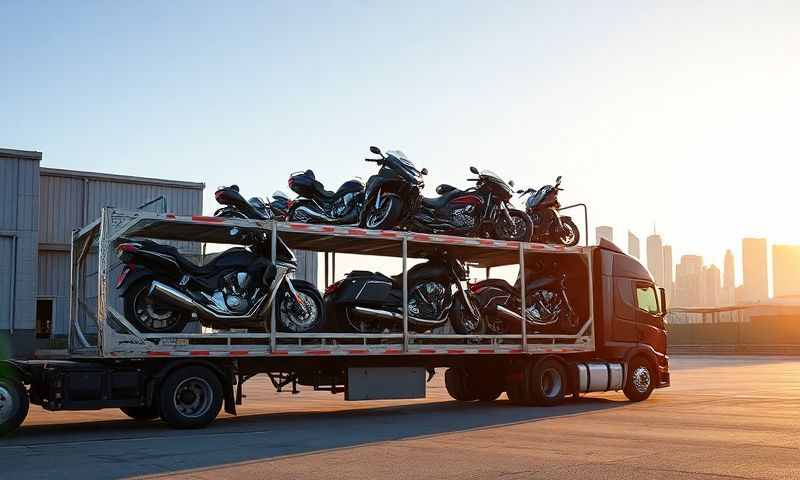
(190, 397)
(142, 414)
(14, 404)
(515, 388)
(490, 392)
(547, 382)
(457, 384)
(639, 384)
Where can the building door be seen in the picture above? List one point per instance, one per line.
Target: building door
(6, 278)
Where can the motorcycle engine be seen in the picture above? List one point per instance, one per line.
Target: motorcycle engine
(234, 294)
(429, 300)
(463, 217)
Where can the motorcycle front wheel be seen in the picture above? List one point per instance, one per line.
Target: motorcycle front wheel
(386, 216)
(466, 320)
(147, 315)
(570, 235)
(294, 318)
(519, 229)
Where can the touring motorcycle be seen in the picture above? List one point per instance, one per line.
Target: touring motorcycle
(368, 302)
(162, 290)
(547, 306)
(390, 195)
(480, 211)
(548, 225)
(235, 205)
(317, 205)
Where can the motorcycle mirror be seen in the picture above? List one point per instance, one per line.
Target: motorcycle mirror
(235, 188)
(519, 191)
(375, 150)
(558, 180)
(424, 171)
(473, 170)
(511, 183)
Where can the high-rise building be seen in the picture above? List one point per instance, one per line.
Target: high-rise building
(688, 290)
(754, 269)
(604, 232)
(711, 286)
(785, 270)
(728, 296)
(668, 270)
(655, 258)
(633, 245)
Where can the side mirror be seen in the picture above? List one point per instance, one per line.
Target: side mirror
(558, 180)
(663, 294)
(473, 170)
(375, 150)
(235, 188)
(511, 183)
(519, 191)
(424, 171)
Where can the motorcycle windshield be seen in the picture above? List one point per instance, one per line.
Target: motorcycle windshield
(489, 175)
(280, 195)
(397, 160)
(537, 197)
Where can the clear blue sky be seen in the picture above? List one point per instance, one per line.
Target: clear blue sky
(683, 116)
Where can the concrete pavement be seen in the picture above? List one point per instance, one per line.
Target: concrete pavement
(724, 417)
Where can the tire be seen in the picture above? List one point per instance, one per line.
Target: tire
(639, 382)
(229, 213)
(141, 414)
(139, 310)
(388, 215)
(288, 316)
(570, 235)
(462, 319)
(190, 397)
(547, 382)
(521, 231)
(14, 405)
(456, 382)
(490, 387)
(516, 394)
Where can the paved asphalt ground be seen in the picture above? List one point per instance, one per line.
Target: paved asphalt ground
(724, 417)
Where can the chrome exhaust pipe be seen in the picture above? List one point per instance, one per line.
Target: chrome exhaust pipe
(506, 313)
(170, 296)
(387, 315)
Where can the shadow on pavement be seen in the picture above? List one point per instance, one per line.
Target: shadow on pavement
(153, 448)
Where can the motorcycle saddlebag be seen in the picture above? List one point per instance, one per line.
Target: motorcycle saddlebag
(375, 289)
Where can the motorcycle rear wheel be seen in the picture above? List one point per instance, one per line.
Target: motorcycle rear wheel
(147, 316)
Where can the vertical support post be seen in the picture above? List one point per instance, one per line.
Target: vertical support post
(333, 267)
(522, 297)
(273, 341)
(405, 295)
(326, 271)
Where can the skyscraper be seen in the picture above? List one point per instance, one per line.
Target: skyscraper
(688, 290)
(711, 286)
(604, 232)
(728, 296)
(785, 270)
(754, 268)
(655, 258)
(668, 269)
(633, 245)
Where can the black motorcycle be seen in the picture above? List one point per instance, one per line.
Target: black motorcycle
(547, 306)
(480, 211)
(235, 205)
(391, 195)
(162, 290)
(548, 225)
(317, 205)
(368, 302)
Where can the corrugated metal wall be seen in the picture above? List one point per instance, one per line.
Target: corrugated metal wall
(19, 200)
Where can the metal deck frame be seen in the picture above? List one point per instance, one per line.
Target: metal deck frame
(118, 338)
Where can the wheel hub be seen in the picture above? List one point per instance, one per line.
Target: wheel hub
(6, 404)
(193, 397)
(641, 379)
(551, 383)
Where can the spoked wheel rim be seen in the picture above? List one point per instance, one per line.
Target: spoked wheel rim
(293, 317)
(377, 216)
(551, 383)
(7, 404)
(640, 378)
(193, 397)
(152, 316)
(514, 230)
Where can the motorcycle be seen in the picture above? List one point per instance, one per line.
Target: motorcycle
(548, 225)
(317, 205)
(162, 290)
(390, 195)
(480, 211)
(547, 306)
(368, 302)
(235, 206)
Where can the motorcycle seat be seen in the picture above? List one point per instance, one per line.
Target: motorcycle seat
(186, 264)
(441, 200)
(350, 186)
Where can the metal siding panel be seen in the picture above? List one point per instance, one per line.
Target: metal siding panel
(6, 262)
(8, 194)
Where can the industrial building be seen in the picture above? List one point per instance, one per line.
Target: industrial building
(39, 209)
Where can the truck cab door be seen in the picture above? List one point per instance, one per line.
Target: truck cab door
(650, 317)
